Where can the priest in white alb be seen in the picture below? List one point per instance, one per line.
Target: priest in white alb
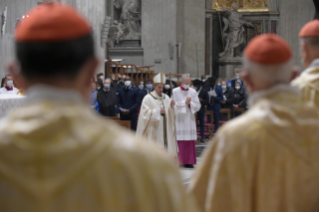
(156, 119)
(8, 86)
(187, 104)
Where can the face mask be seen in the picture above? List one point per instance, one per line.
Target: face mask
(224, 87)
(203, 80)
(196, 89)
(167, 87)
(127, 83)
(237, 77)
(218, 84)
(185, 86)
(149, 87)
(107, 86)
(98, 88)
(10, 83)
(141, 86)
(237, 87)
(229, 85)
(101, 77)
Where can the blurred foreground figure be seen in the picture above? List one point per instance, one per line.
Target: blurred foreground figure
(308, 82)
(156, 119)
(56, 154)
(267, 159)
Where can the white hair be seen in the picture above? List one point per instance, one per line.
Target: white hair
(311, 41)
(184, 76)
(108, 79)
(271, 74)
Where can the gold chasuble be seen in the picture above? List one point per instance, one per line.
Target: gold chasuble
(267, 160)
(155, 127)
(308, 82)
(56, 155)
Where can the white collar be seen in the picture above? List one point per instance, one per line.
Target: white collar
(156, 95)
(254, 97)
(39, 93)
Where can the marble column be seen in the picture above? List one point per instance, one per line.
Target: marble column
(192, 36)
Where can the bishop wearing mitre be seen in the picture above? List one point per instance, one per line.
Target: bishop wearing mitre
(156, 119)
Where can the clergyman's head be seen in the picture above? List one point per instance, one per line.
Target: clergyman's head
(309, 41)
(267, 62)
(159, 89)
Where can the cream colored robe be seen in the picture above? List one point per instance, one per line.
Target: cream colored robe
(267, 160)
(157, 128)
(308, 82)
(58, 156)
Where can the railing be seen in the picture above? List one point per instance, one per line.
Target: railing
(136, 73)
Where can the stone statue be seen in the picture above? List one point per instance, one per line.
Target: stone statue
(3, 21)
(130, 16)
(233, 31)
(117, 31)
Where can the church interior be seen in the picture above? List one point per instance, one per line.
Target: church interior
(179, 74)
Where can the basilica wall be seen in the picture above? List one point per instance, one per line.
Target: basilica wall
(172, 35)
(94, 11)
(17, 8)
(294, 14)
(176, 36)
(191, 35)
(159, 34)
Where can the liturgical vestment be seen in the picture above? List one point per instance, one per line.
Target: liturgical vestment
(57, 155)
(186, 130)
(265, 160)
(156, 127)
(308, 82)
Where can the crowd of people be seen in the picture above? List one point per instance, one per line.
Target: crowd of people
(119, 97)
(56, 155)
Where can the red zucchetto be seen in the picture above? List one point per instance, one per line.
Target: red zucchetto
(311, 29)
(50, 22)
(268, 49)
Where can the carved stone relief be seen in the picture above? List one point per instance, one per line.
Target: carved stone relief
(130, 18)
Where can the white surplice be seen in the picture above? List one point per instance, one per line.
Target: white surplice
(155, 127)
(14, 91)
(185, 115)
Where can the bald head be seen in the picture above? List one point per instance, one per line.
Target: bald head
(107, 81)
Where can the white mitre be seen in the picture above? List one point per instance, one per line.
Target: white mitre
(159, 79)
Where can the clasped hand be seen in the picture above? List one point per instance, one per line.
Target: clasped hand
(188, 100)
(172, 103)
(162, 111)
